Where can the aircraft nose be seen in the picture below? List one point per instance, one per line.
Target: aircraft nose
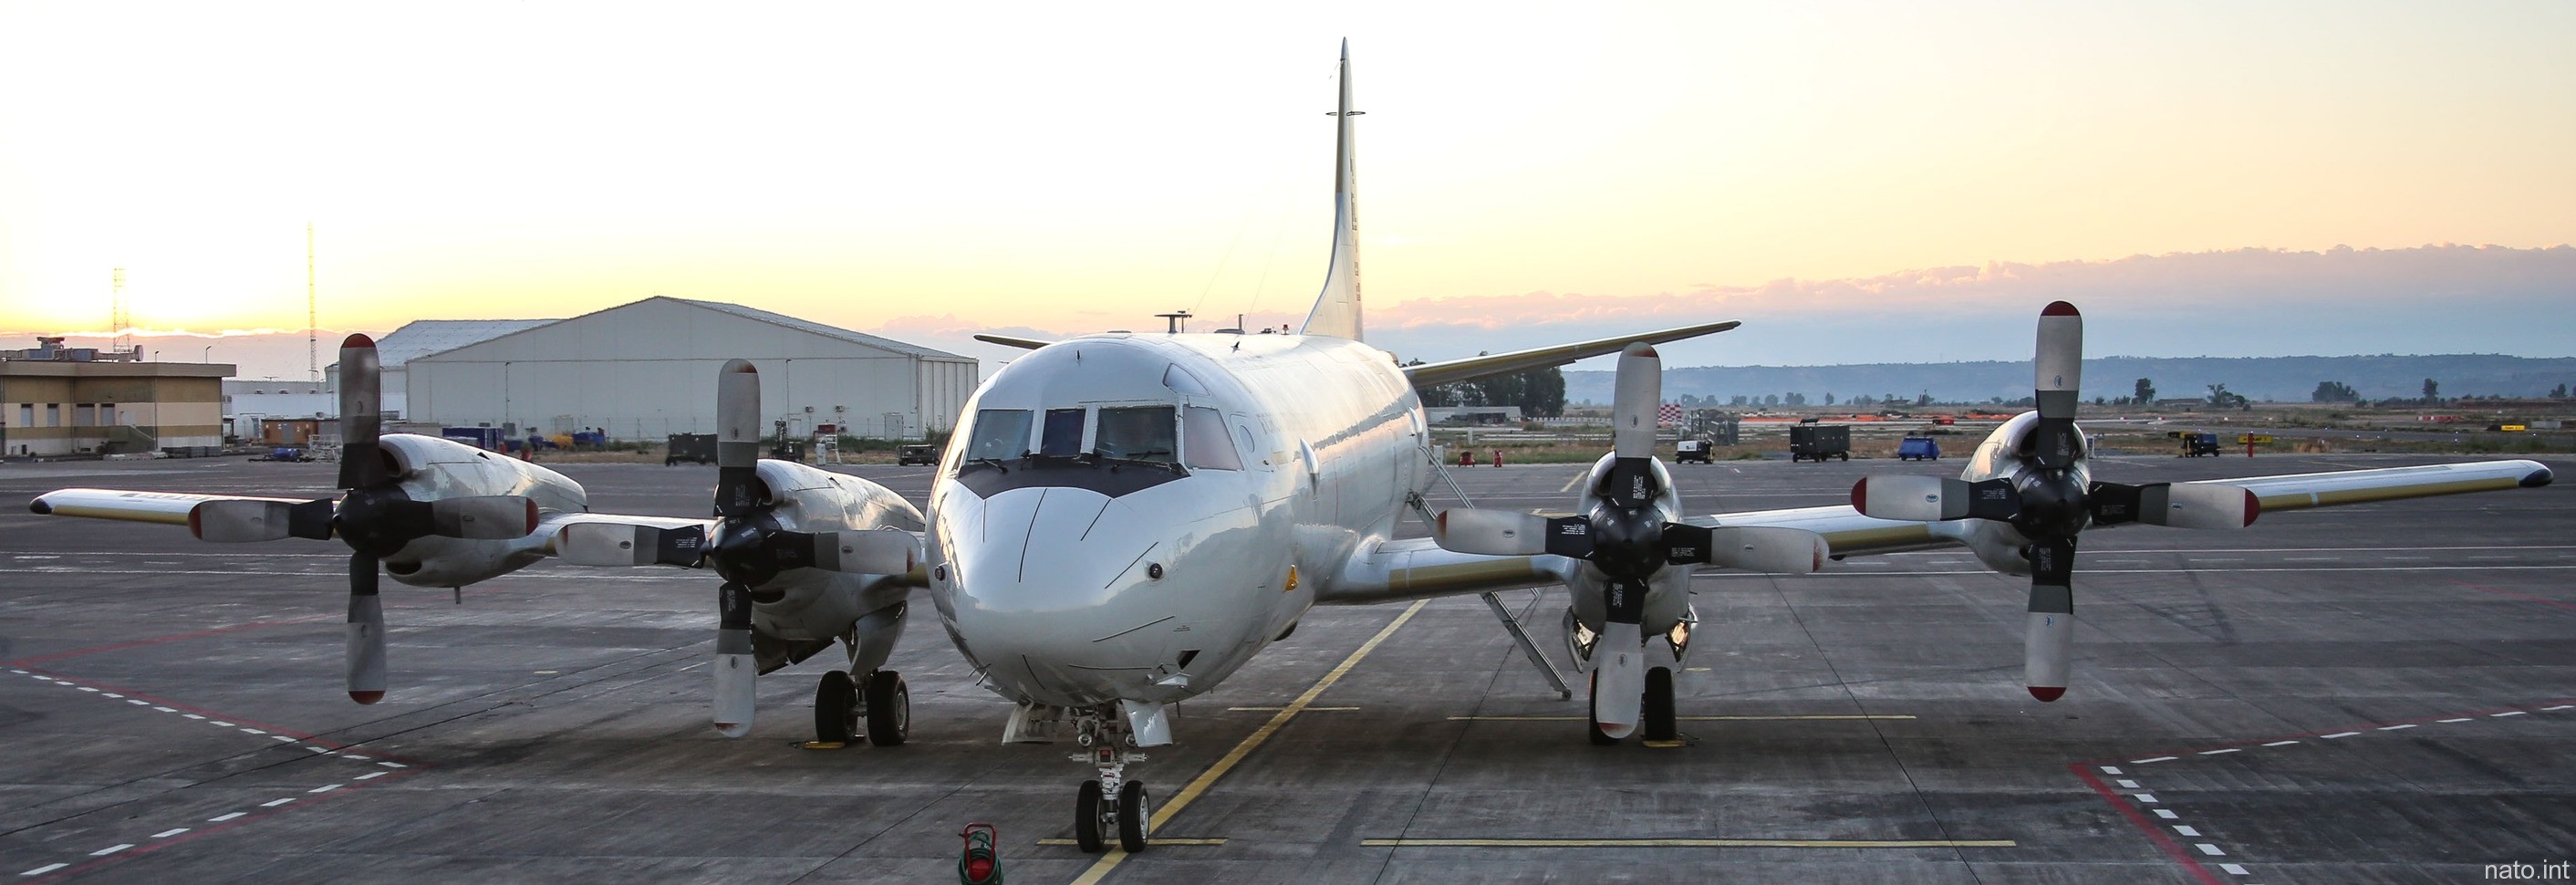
(1043, 587)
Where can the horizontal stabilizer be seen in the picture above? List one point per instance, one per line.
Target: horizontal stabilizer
(1011, 341)
(1474, 367)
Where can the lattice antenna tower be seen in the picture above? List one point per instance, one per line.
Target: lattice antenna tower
(121, 337)
(312, 339)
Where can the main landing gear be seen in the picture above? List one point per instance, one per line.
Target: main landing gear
(1111, 804)
(1659, 728)
(880, 703)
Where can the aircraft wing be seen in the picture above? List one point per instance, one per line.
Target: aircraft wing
(1468, 368)
(2299, 491)
(166, 508)
(1416, 568)
(1848, 533)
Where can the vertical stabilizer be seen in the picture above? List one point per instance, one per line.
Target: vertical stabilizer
(1337, 310)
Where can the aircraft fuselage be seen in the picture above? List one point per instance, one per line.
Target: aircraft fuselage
(1133, 516)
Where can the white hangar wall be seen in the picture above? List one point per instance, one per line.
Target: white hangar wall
(648, 369)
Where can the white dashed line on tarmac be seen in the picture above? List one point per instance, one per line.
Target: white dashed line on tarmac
(39, 871)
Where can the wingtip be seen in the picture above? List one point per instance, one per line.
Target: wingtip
(2059, 309)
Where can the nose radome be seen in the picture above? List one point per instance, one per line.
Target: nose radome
(1049, 575)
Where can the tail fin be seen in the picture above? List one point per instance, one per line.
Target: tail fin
(1337, 310)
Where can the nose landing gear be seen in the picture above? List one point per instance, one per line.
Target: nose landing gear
(1111, 804)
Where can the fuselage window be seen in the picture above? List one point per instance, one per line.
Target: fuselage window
(1000, 434)
(1137, 433)
(1204, 441)
(1063, 436)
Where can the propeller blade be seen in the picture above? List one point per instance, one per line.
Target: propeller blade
(1778, 551)
(361, 416)
(483, 517)
(737, 438)
(2185, 506)
(2058, 365)
(855, 553)
(1619, 682)
(1934, 498)
(227, 522)
(623, 544)
(2049, 643)
(366, 656)
(1637, 401)
(736, 671)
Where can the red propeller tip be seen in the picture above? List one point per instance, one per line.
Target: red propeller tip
(2048, 693)
(1648, 350)
(2253, 506)
(1860, 494)
(357, 339)
(366, 697)
(2058, 309)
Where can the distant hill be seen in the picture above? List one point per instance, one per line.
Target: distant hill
(2279, 379)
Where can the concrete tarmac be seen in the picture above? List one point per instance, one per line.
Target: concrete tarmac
(2372, 693)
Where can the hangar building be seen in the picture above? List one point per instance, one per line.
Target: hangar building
(647, 369)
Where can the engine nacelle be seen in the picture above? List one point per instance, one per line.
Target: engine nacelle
(813, 605)
(428, 468)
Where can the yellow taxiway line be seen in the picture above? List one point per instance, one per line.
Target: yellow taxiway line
(1689, 843)
(1820, 718)
(1199, 786)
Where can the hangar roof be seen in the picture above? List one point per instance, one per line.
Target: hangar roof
(863, 338)
(420, 338)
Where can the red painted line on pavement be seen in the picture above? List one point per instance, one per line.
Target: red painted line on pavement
(2521, 596)
(2155, 833)
(139, 643)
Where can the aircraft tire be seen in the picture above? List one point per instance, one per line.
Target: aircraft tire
(1086, 817)
(1135, 813)
(889, 709)
(836, 709)
(1660, 725)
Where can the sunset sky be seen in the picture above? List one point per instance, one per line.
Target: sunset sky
(936, 167)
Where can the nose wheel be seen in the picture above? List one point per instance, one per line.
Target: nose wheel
(1111, 805)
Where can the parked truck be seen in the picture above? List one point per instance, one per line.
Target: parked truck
(1817, 442)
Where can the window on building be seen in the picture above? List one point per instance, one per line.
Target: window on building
(26, 414)
(107, 415)
(84, 415)
(53, 414)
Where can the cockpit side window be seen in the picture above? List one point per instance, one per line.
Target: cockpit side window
(1063, 438)
(1000, 434)
(1137, 433)
(1204, 443)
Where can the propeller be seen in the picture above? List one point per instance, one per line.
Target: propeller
(745, 544)
(374, 516)
(1627, 540)
(2050, 498)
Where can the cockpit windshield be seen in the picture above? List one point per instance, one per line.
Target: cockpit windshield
(1000, 434)
(1063, 437)
(1138, 433)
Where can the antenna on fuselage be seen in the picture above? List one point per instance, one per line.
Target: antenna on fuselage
(1172, 321)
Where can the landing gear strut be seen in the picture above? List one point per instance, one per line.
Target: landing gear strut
(1111, 804)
